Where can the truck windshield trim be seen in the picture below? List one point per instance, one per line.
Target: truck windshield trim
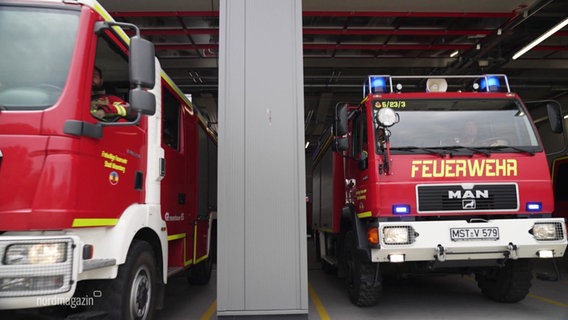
(460, 150)
(35, 56)
(457, 127)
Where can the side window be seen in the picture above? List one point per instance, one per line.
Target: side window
(359, 138)
(113, 62)
(170, 126)
(356, 137)
(110, 83)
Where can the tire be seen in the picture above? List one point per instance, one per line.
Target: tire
(132, 295)
(200, 274)
(510, 283)
(364, 284)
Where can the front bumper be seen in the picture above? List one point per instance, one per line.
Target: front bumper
(459, 240)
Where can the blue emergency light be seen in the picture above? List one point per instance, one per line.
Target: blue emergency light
(490, 83)
(378, 84)
(534, 206)
(401, 209)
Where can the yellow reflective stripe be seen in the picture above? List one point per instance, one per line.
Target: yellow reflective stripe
(120, 110)
(365, 214)
(102, 11)
(180, 236)
(93, 222)
(186, 262)
(176, 236)
(195, 259)
(201, 259)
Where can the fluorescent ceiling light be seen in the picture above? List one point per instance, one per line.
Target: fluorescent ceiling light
(541, 38)
(455, 53)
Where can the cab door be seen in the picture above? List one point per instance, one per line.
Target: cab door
(113, 166)
(358, 163)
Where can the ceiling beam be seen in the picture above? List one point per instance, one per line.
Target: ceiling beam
(441, 14)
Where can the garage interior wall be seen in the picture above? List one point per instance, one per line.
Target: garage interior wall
(262, 258)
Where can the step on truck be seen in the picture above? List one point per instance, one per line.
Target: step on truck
(97, 215)
(435, 174)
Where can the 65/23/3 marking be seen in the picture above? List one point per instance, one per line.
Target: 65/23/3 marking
(481, 233)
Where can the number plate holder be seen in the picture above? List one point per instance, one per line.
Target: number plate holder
(474, 234)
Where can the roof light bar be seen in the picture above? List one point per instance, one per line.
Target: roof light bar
(378, 84)
(490, 84)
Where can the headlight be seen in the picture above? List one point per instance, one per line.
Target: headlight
(547, 231)
(387, 117)
(36, 253)
(396, 235)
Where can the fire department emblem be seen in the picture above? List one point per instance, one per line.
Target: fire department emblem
(113, 178)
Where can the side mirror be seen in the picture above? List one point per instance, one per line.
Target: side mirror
(363, 161)
(340, 144)
(142, 68)
(340, 120)
(142, 101)
(142, 65)
(554, 116)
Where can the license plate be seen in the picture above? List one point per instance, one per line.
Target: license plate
(477, 233)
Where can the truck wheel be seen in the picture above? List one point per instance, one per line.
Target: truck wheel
(510, 283)
(132, 295)
(200, 273)
(364, 290)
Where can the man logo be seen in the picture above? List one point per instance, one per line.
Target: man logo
(468, 204)
(468, 194)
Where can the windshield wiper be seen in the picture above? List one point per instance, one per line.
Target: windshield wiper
(440, 153)
(474, 150)
(523, 150)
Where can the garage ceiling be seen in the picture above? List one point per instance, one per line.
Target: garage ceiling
(344, 41)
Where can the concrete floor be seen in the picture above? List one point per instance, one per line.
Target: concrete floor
(425, 297)
(422, 297)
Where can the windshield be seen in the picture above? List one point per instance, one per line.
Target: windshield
(491, 124)
(35, 55)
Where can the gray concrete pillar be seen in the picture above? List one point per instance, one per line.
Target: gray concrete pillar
(262, 258)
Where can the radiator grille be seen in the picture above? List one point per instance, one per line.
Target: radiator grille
(467, 197)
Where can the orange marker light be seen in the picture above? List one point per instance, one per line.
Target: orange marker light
(373, 235)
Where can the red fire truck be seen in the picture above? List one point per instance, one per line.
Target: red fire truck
(103, 211)
(445, 174)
